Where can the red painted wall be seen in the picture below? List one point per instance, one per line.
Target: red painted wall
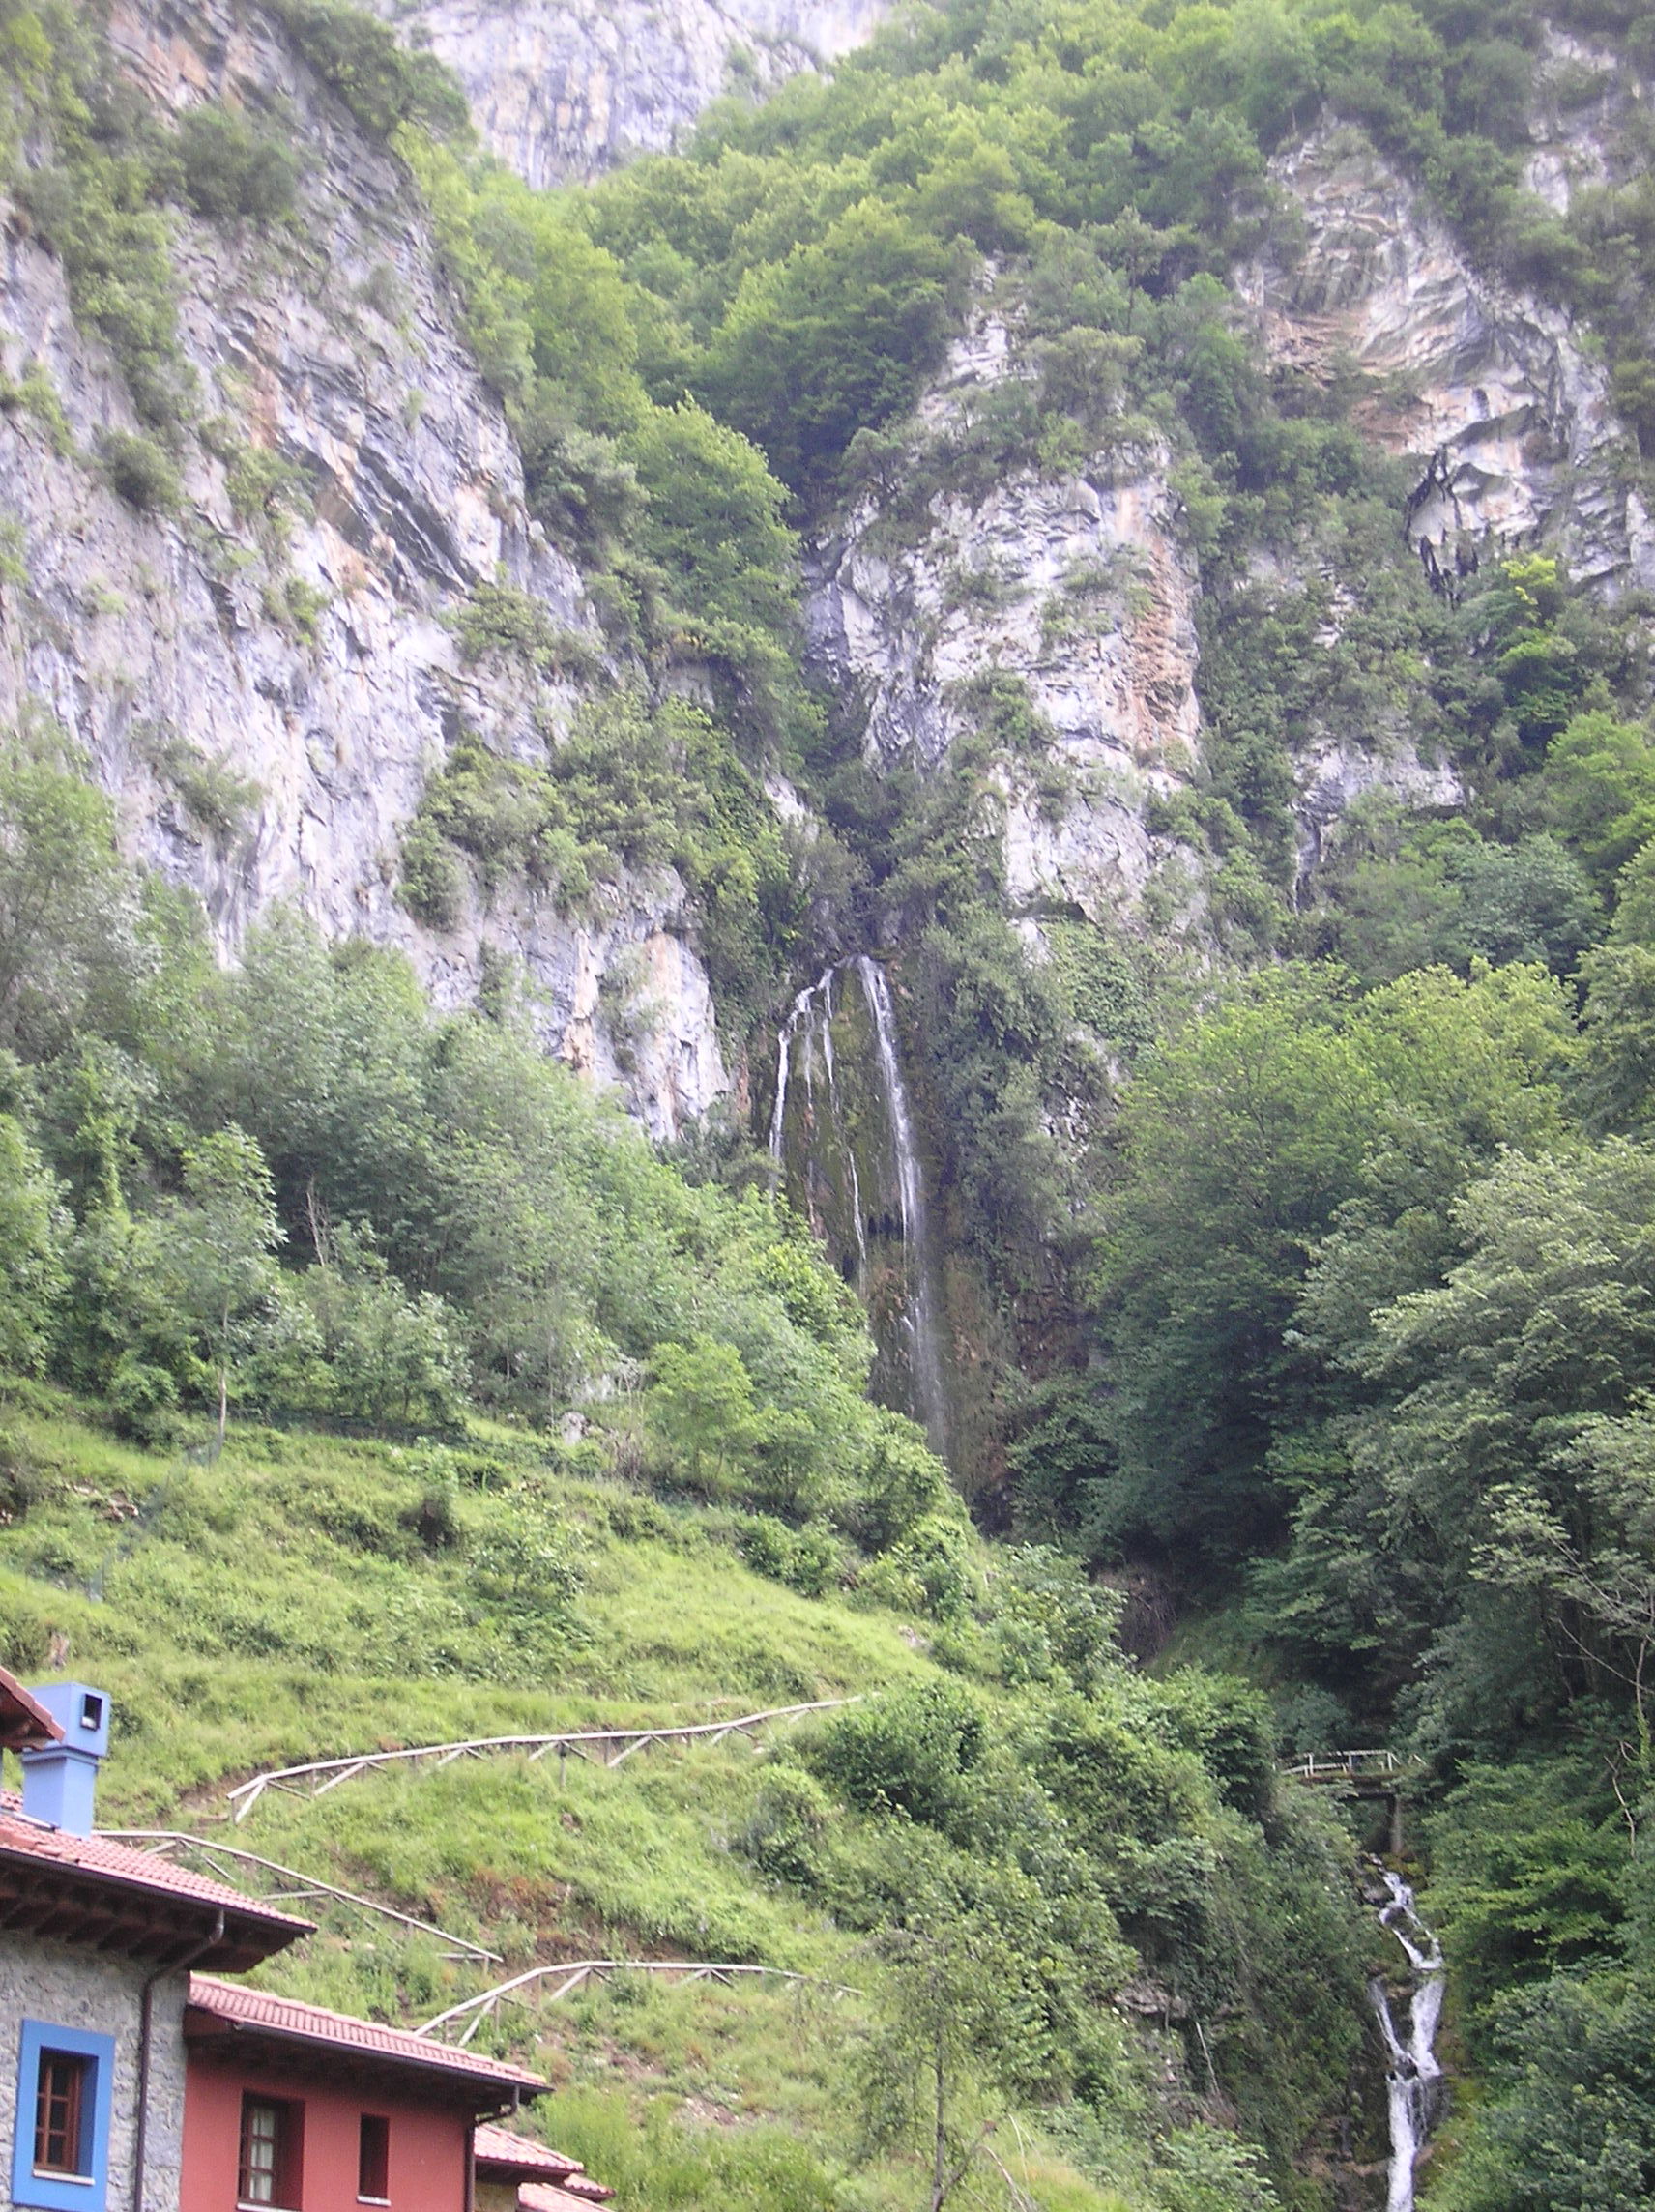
(430, 2145)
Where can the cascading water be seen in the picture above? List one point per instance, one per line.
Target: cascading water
(1413, 2072)
(844, 1142)
(809, 1025)
(919, 1318)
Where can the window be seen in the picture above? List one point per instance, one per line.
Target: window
(62, 2137)
(60, 2145)
(373, 2159)
(268, 2170)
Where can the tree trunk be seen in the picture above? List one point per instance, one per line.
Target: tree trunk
(938, 2166)
(225, 1377)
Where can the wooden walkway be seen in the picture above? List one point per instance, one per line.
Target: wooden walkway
(1342, 1766)
(602, 1747)
(546, 1985)
(1380, 1775)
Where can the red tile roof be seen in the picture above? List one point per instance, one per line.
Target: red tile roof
(233, 2007)
(25, 1725)
(503, 2148)
(578, 2194)
(32, 1851)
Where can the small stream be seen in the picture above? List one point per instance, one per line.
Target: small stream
(1414, 2073)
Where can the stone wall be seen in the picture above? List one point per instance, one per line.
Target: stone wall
(69, 1988)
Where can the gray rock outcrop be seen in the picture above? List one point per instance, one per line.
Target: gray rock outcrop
(564, 89)
(1490, 390)
(1080, 589)
(301, 664)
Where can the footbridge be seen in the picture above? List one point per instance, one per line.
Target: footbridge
(1379, 1774)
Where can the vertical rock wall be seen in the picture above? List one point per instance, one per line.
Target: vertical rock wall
(565, 89)
(307, 659)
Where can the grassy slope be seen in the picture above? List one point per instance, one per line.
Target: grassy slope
(273, 1608)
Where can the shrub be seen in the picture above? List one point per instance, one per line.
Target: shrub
(214, 797)
(380, 82)
(140, 472)
(805, 1559)
(231, 171)
(144, 1402)
(905, 1751)
(499, 622)
(785, 1830)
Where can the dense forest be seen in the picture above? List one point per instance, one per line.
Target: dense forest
(1304, 1211)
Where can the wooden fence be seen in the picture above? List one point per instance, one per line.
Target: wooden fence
(285, 1886)
(546, 1985)
(603, 1747)
(1341, 1766)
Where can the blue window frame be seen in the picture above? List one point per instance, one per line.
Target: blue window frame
(52, 2191)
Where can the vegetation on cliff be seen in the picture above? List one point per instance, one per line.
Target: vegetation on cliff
(1312, 1216)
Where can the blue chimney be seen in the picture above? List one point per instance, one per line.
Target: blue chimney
(59, 1782)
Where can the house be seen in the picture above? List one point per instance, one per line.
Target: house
(96, 1946)
(517, 2175)
(133, 2079)
(291, 2106)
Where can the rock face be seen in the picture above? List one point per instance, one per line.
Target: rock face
(567, 88)
(309, 659)
(1487, 387)
(1080, 589)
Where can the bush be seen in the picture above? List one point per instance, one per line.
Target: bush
(805, 1559)
(932, 1570)
(144, 1402)
(138, 471)
(788, 1825)
(380, 82)
(231, 171)
(905, 1751)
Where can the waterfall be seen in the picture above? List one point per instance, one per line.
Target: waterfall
(919, 1318)
(1412, 2071)
(810, 1023)
(842, 1139)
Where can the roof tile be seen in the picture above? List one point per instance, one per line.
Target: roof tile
(504, 2146)
(25, 1725)
(579, 2193)
(21, 1837)
(238, 2006)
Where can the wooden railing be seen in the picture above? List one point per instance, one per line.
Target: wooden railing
(1340, 1766)
(285, 1885)
(602, 1747)
(546, 1985)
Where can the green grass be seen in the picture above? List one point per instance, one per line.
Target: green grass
(279, 1605)
(307, 1596)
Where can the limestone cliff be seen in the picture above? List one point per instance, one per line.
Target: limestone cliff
(1080, 588)
(1502, 403)
(267, 686)
(567, 88)
(305, 657)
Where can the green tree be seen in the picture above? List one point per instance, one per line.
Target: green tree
(701, 1401)
(1600, 781)
(33, 1228)
(214, 1246)
(390, 1354)
(951, 1999)
(63, 917)
(1241, 1141)
(833, 338)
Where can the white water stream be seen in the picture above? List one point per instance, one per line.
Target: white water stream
(920, 1319)
(1412, 2071)
(805, 1054)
